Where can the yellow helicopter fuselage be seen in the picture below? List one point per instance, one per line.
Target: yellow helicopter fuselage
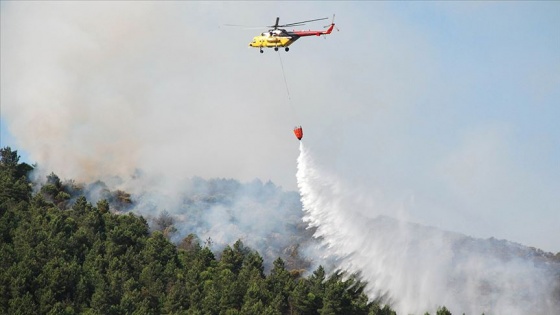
(271, 41)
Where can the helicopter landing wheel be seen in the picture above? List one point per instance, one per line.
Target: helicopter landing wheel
(261, 51)
(287, 49)
(275, 48)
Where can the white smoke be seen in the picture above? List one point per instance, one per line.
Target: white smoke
(142, 96)
(416, 268)
(98, 89)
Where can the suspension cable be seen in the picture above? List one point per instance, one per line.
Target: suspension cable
(284, 74)
(287, 89)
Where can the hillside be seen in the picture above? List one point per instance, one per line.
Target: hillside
(77, 258)
(70, 248)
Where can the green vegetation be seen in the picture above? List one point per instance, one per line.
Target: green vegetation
(59, 254)
(63, 257)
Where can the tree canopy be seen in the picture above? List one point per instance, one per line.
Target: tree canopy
(77, 258)
(63, 255)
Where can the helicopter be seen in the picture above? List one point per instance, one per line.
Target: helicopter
(277, 36)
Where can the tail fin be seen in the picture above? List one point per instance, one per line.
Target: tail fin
(331, 27)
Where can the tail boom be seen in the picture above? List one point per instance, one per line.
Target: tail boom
(314, 33)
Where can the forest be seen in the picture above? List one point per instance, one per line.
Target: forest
(60, 254)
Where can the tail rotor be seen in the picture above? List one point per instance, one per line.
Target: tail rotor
(330, 28)
(332, 23)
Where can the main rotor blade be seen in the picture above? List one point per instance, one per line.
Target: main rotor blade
(276, 25)
(302, 22)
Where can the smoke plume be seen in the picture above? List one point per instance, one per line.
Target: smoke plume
(417, 268)
(93, 90)
(222, 211)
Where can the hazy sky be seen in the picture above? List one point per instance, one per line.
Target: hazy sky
(448, 110)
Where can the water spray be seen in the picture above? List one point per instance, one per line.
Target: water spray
(414, 268)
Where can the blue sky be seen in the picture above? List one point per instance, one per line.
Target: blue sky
(6, 139)
(447, 110)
